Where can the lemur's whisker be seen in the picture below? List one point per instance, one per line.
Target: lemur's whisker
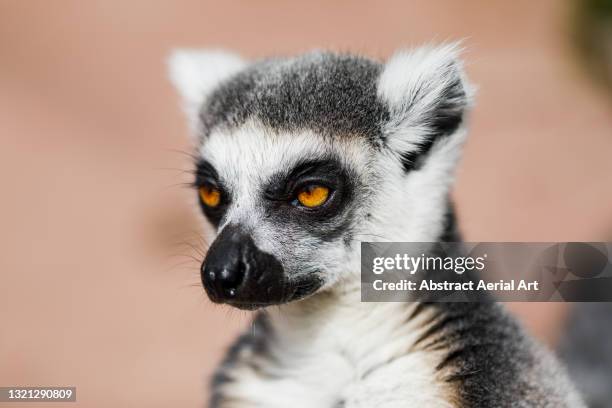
(185, 185)
(178, 171)
(199, 251)
(197, 285)
(191, 257)
(191, 155)
(181, 268)
(194, 234)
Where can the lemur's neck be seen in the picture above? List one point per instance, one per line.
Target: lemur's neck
(320, 316)
(338, 321)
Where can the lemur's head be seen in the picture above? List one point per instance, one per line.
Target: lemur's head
(300, 159)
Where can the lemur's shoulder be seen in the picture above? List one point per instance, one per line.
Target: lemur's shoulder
(492, 362)
(488, 356)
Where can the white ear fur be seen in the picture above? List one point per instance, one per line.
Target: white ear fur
(415, 84)
(195, 73)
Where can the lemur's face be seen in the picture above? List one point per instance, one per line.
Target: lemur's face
(301, 159)
(285, 205)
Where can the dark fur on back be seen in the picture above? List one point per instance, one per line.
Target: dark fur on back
(488, 355)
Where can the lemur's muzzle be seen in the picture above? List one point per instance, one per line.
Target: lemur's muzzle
(235, 271)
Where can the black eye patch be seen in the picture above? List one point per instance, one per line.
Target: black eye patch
(206, 175)
(282, 189)
(205, 172)
(278, 196)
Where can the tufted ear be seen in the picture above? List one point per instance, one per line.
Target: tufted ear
(427, 95)
(196, 73)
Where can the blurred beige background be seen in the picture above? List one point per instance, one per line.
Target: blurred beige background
(96, 290)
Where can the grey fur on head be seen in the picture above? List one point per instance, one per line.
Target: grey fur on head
(332, 94)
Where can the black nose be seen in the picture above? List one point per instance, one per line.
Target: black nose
(225, 266)
(237, 272)
(225, 278)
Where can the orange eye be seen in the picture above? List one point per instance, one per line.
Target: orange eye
(210, 196)
(313, 196)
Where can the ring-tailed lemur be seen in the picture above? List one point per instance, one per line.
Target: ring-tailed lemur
(300, 159)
